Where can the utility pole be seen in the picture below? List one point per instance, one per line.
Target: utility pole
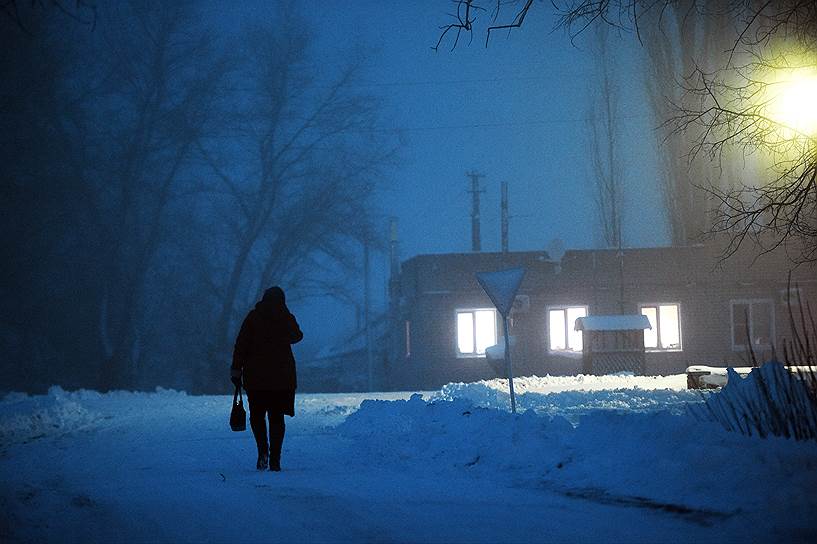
(620, 274)
(476, 242)
(620, 255)
(504, 216)
(366, 315)
(394, 269)
(392, 353)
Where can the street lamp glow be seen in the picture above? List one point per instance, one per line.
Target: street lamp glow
(793, 103)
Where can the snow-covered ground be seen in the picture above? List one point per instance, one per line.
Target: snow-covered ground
(590, 459)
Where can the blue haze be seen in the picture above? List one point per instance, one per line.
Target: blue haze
(515, 111)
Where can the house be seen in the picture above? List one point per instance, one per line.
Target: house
(344, 366)
(701, 310)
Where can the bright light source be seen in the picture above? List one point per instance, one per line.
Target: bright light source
(485, 330)
(793, 102)
(574, 337)
(670, 326)
(651, 334)
(561, 328)
(476, 331)
(558, 338)
(665, 323)
(465, 332)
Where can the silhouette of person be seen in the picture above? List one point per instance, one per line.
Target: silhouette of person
(263, 362)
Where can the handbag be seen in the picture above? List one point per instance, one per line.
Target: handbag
(238, 416)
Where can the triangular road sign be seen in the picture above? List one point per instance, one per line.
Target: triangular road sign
(501, 287)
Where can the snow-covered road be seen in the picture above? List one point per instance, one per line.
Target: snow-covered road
(129, 467)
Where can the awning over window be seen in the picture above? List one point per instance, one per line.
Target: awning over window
(634, 322)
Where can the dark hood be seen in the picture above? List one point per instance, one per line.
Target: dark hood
(275, 293)
(273, 305)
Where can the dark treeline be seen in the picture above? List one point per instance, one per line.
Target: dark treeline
(157, 175)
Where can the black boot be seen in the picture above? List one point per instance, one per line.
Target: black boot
(263, 461)
(275, 457)
(277, 428)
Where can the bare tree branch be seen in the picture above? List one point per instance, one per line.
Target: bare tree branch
(715, 106)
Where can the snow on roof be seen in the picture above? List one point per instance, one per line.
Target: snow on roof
(612, 323)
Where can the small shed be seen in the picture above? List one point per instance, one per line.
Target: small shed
(613, 343)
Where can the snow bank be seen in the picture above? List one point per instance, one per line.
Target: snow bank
(24, 417)
(450, 433)
(582, 382)
(573, 396)
(660, 457)
(29, 417)
(587, 447)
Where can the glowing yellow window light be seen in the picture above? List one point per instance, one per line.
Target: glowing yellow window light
(793, 102)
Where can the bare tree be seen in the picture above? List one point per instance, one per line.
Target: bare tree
(673, 40)
(155, 105)
(303, 188)
(153, 188)
(102, 128)
(721, 110)
(608, 168)
(778, 208)
(40, 196)
(467, 12)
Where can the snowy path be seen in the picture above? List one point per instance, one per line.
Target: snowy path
(167, 468)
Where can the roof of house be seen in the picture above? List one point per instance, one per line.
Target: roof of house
(356, 342)
(442, 274)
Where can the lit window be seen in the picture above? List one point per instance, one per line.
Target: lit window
(476, 330)
(752, 319)
(665, 334)
(561, 328)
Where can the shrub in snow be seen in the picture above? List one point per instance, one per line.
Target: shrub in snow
(771, 400)
(774, 399)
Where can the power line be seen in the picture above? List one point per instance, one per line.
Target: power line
(425, 82)
(503, 124)
(464, 81)
(500, 124)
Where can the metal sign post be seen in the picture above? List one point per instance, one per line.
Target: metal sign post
(508, 367)
(501, 288)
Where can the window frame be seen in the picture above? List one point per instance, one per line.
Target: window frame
(792, 296)
(473, 310)
(658, 348)
(751, 302)
(563, 307)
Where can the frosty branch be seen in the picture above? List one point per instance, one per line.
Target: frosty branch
(723, 114)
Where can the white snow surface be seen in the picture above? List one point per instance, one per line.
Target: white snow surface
(612, 323)
(589, 459)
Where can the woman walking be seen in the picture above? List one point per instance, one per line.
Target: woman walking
(263, 362)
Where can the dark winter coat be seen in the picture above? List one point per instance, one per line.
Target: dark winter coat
(263, 354)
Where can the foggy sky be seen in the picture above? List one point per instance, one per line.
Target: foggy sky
(514, 111)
